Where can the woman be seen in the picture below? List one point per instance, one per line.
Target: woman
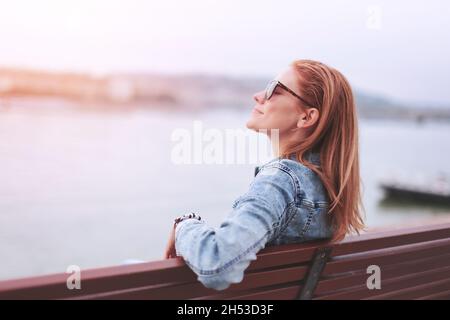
(310, 191)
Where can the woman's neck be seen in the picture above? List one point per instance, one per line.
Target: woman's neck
(278, 147)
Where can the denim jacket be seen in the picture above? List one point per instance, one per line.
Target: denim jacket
(286, 203)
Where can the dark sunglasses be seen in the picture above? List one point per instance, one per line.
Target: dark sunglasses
(270, 89)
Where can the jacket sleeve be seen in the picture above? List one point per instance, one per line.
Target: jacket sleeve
(219, 256)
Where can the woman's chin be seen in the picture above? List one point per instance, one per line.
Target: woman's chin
(254, 125)
(251, 124)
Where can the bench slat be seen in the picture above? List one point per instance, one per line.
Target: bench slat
(335, 283)
(392, 238)
(271, 256)
(390, 285)
(288, 293)
(195, 289)
(445, 295)
(417, 291)
(390, 255)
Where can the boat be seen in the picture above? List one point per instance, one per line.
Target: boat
(434, 190)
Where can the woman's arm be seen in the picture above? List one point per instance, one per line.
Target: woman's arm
(220, 255)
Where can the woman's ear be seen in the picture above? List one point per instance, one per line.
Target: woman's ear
(309, 118)
(301, 121)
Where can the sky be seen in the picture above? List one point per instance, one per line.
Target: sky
(399, 49)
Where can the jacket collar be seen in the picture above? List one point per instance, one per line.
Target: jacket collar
(313, 157)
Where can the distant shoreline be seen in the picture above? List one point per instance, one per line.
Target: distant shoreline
(63, 104)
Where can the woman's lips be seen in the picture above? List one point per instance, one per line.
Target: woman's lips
(255, 110)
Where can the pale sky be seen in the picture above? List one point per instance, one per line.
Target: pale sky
(400, 49)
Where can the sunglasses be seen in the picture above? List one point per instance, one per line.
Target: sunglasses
(270, 89)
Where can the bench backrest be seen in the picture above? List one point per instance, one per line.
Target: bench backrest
(413, 263)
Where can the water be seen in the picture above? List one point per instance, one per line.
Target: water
(95, 189)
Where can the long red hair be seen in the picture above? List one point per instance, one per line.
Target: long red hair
(335, 137)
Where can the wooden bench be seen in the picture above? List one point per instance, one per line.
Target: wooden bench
(414, 264)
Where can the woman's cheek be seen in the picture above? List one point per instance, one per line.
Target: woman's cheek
(274, 120)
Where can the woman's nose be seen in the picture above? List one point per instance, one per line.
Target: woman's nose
(259, 97)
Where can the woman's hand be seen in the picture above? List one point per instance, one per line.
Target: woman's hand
(170, 249)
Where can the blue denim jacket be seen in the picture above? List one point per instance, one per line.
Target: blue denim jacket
(286, 203)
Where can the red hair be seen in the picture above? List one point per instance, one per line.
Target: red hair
(335, 137)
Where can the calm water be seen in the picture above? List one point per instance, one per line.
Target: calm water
(94, 189)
